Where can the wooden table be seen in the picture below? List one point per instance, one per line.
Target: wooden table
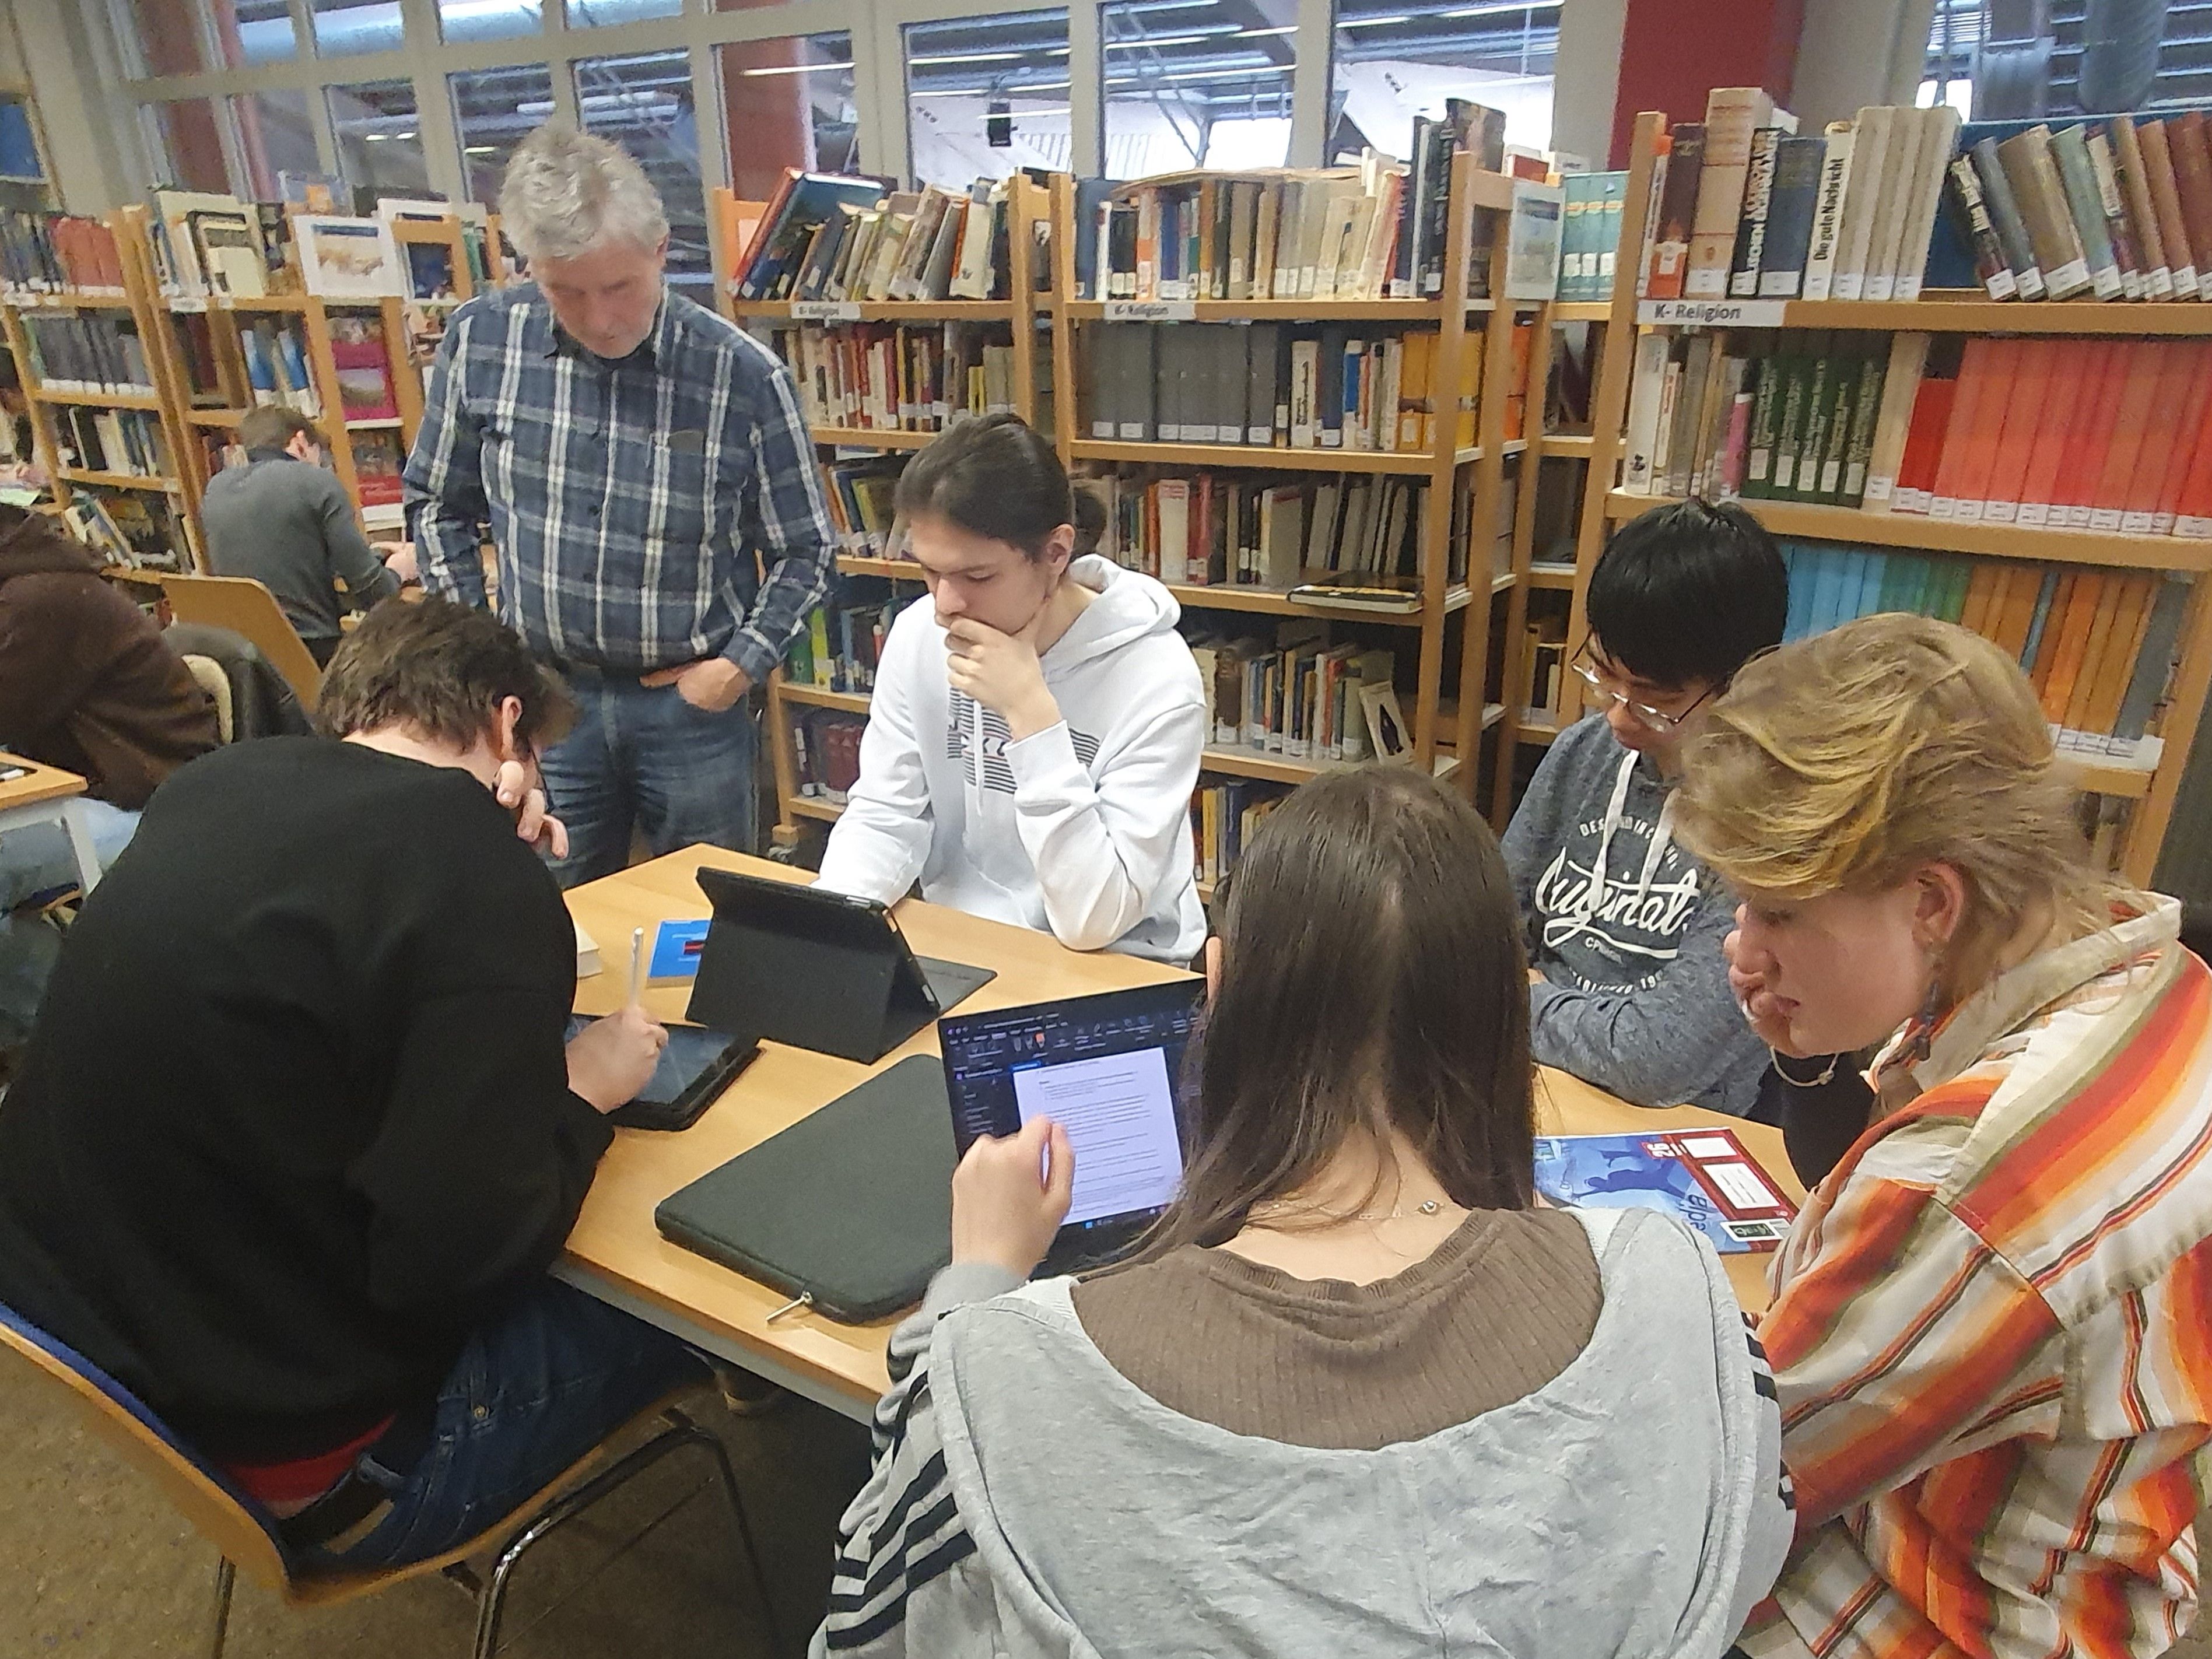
(46, 794)
(616, 1253)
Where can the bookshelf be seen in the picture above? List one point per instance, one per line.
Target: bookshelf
(2150, 788)
(138, 302)
(1446, 732)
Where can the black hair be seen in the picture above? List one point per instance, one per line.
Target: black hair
(996, 476)
(1688, 592)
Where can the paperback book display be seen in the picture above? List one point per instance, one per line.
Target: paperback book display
(829, 237)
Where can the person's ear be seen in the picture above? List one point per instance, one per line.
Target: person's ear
(506, 717)
(1060, 549)
(1939, 906)
(1212, 967)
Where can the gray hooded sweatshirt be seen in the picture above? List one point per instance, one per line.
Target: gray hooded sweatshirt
(1626, 928)
(1028, 1502)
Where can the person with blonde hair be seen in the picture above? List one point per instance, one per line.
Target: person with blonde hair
(1989, 1326)
(640, 461)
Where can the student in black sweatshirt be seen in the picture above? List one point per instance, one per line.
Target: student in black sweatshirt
(296, 1136)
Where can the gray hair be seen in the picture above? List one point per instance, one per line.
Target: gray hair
(567, 194)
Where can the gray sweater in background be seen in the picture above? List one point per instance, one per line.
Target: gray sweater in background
(1028, 1502)
(1635, 995)
(291, 528)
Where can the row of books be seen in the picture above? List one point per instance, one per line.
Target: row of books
(48, 253)
(1224, 813)
(1590, 236)
(1745, 206)
(208, 244)
(2098, 644)
(131, 527)
(898, 377)
(860, 512)
(841, 645)
(826, 745)
(1284, 386)
(829, 237)
(1298, 695)
(363, 361)
(2115, 209)
(1242, 530)
(88, 351)
(1368, 232)
(275, 350)
(1789, 417)
(121, 441)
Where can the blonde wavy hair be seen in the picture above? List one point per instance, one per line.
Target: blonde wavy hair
(1848, 761)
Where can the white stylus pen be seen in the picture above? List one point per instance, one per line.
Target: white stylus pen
(637, 967)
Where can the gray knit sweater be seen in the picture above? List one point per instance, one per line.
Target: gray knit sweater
(1028, 1502)
(1626, 928)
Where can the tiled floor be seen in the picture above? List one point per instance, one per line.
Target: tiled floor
(94, 1563)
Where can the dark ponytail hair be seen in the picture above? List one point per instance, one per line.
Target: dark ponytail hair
(996, 476)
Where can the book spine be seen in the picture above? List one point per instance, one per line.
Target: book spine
(1757, 204)
(2003, 208)
(2165, 207)
(2078, 180)
(1828, 211)
(1989, 262)
(2142, 216)
(2126, 253)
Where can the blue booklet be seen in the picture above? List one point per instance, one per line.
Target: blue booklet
(676, 948)
(1703, 1176)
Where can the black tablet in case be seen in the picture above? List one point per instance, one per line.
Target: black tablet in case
(851, 1206)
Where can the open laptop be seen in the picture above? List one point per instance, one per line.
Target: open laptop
(816, 970)
(1109, 1070)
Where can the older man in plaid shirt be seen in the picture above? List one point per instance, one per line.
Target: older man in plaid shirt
(632, 452)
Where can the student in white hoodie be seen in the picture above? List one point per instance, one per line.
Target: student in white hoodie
(1037, 725)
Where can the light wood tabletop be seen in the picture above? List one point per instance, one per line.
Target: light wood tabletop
(38, 784)
(616, 1252)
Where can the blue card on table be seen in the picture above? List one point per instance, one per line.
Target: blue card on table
(676, 948)
(1704, 1176)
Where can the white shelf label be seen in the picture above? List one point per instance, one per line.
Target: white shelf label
(1712, 314)
(1150, 311)
(825, 311)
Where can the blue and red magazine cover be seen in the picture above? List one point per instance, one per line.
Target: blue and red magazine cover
(1703, 1176)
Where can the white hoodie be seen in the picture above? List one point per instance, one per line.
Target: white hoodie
(1082, 830)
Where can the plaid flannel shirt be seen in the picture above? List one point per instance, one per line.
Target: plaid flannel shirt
(625, 499)
(1992, 1327)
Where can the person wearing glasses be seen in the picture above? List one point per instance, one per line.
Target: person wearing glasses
(1628, 988)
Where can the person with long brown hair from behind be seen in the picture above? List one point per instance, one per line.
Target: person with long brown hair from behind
(1990, 1322)
(1357, 1395)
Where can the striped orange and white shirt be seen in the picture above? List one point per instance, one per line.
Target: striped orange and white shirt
(1992, 1326)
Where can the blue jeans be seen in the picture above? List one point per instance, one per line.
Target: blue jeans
(644, 759)
(34, 862)
(530, 1395)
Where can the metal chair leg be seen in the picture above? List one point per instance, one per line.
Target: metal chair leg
(729, 1480)
(492, 1608)
(219, 1630)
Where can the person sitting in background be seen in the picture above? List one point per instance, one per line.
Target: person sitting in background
(1989, 1324)
(87, 683)
(1624, 926)
(304, 1211)
(1357, 1394)
(284, 519)
(1036, 724)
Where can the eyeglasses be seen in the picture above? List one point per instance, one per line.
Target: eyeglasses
(1658, 718)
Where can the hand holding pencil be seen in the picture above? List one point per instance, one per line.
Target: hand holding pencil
(611, 1059)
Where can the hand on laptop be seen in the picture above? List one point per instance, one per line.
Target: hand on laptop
(611, 1059)
(1006, 1209)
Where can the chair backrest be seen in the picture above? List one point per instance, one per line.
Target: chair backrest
(216, 683)
(245, 606)
(125, 1422)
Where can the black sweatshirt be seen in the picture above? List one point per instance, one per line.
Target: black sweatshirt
(295, 1115)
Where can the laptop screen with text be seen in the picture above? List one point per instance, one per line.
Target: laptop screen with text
(1108, 1068)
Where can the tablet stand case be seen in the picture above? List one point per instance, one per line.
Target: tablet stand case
(836, 979)
(852, 1205)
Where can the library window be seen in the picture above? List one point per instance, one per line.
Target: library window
(186, 140)
(494, 110)
(988, 95)
(644, 104)
(788, 103)
(249, 32)
(162, 35)
(276, 135)
(489, 20)
(1197, 83)
(380, 137)
(344, 28)
(2007, 63)
(600, 14)
(1391, 61)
